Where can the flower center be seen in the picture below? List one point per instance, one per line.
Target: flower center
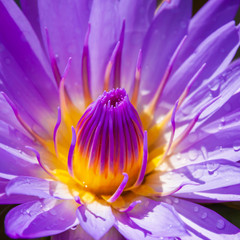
(109, 143)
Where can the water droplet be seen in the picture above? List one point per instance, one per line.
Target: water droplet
(74, 227)
(214, 88)
(176, 200)
(220, 224)
(53, 212)
(195, 209)
(236, 145)
(193, 154)
(204, 152)
(62, 218)
(212, 167)
(178, 156)
(168, 201)
(204, 215)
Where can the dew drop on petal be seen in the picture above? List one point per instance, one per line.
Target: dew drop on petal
(212, 167)
(74, 227)
(53, 212)
(168, 201)
(192, 154)
(178, 156)
(220, 224)
(176, 200)
(204, 215)
(204, 152)
(196, 209)
(236, 145)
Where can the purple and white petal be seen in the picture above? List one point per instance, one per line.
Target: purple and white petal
(15, 162)
(14, 198)
(164, 35)
(105, 32)
(141, 221)
(96, 219)
(41, 218)
(200, 177)
(213, 15)
(203, 223)
(74, 233)
(226, 39)
(71, 17)
(35, 72)
(138, 15)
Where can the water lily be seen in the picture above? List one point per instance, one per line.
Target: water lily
(118, 117)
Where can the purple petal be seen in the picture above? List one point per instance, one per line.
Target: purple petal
(79, 233)
(67, 25)
(16, 163)
(213, 15)
(29, 186)
(40, 218)
(33, 69)
(226, 39)
(113, 234)
(138, 15)
(150, 219)
(205, 176)
(224, 194)
(13, 199)
(217, 138)
(202, 222)
(164, 35)
(30, 9)
(224, 85)
(105, 32)
(96, 219)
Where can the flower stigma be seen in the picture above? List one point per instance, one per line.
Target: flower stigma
(109, 143)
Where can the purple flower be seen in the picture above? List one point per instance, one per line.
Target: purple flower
(117, 118)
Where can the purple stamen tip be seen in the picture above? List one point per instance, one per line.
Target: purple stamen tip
(120, 189)
(71, 152)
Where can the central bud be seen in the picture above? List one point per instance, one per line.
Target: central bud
(109, 142)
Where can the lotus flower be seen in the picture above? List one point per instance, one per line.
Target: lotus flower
(118, 117)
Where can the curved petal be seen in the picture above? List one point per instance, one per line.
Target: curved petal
(105, 32)
(164, 35)
(138, 15)
(113, 234)
(199, 177)
(149, 220)
(77, 233)
(224, 194)
(225, 85)
(96, 219)
(203, 223)
(14, 198)
(216, 138)
(80, 234)
(15, 28)
(40, 218)
(213, 15)
(29, 186)
(30, 9)
(15, 162)
(226, 39)
(67, 26)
